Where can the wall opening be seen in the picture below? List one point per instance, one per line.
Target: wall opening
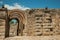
(14, 27)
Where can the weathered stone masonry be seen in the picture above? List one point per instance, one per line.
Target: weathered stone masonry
(33, 22)
(43, 22)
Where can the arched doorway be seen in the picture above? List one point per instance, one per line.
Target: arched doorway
(18, 16)
(14, 27)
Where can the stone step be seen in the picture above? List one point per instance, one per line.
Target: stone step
(1, 37)
(2, 27)
(2, 33)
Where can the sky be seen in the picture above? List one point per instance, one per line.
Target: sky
(28, 4)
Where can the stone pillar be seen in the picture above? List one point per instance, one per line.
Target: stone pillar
(7, 27)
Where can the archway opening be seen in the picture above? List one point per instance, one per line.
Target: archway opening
(14, 27)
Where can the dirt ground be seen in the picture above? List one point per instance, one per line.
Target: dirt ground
(34, 38)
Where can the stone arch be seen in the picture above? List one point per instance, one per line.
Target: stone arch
(19, 15)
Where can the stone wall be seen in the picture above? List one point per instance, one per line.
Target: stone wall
(2, 28)
(37, 22)
(43, 22)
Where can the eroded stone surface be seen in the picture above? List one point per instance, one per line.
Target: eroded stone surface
(33, 22)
